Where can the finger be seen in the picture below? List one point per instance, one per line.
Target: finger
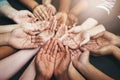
(45, 13)
(86, 39)
(55, 51)
(98, 35)
(38, 16)
(53, 48)
(50, 47)
(60, 45)
(46, 46)
(67, 52)
(39, 54)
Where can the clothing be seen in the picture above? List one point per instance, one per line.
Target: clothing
(3, 2)
(107, 5)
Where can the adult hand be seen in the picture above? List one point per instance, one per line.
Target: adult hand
(61, 18)
(21, 40)
(112, 38)
(105, 50)
(71, 20)
(38, 26)
(62, 62)
(45, 60)
(80, 58)
(23, 16)
(40, 12)
(50, 8)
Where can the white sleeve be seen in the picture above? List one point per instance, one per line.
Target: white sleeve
(107, 5)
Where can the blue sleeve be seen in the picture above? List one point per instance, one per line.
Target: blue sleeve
(3, 2)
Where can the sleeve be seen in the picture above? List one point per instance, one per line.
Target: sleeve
(107, 5)
(3, 2)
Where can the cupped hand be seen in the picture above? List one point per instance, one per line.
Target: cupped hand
(23, 16)
(21, 40)
(45, 60)
(40, 12)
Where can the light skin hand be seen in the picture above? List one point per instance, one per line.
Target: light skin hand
(61, 18)
(62, 62)
(45, 60)
(40, 12)
(23, 16)
(112, 38)
(18, 36)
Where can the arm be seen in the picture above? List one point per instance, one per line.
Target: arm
(64, 6)
(92, 73)
(116, 52)
(15, 62)
(31, 4)
(79, 7)
(8, 11)
(6, 51)
(29, 73)
(46, 2)
(8, 28)
(82, 64)
(4, 38)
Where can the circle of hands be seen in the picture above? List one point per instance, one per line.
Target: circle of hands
(59, 46)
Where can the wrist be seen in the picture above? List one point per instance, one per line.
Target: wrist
(40, 77)
(4, 38)
(62, 76)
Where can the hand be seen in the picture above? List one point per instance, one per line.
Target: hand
(112, 38)
(23, 16)
(37, 26)
(40, 12)
(72, 20)
(21, 40)
(105, 50)
(62, 61)
(61, 18)
(50, 8)
(80, 58)
(45, 60)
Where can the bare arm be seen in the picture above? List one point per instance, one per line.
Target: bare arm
(31, 4)
(46, 1)
(29, 73)
(15, 62)
(92, 73)
(4, 38)
(64, 5)
(8, 28)
(8, 11)
(5, 51)
(81, 6)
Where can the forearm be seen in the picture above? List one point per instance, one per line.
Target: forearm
(6, 51)
(46, 2)
(15, 62)
(81, 6)
(29, 73)
(4, 38)
(8, 11)
(74, 74)
(92, 73)
(8, 28)
(64, 5)
(116, 52)
(31, 4)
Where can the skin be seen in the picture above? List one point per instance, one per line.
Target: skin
(40, 10)
(30, 72)
(30, 28)
(6, 51)
(25, 40)
(81, 63)
(45, 60)
(62, 62)
(7, 64)
(17, 16)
